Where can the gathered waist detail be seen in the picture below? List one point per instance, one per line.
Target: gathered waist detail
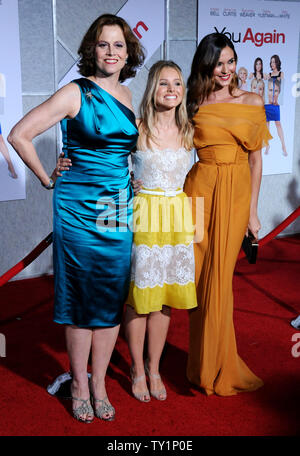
(222, 155)
(168, 193)
(80, 174)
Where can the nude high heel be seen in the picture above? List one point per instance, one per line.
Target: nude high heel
(144, 396)
(160, 395)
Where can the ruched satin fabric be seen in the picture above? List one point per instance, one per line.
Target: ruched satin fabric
(92, 235)
(224, 135)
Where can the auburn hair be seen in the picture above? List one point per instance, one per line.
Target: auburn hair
(86, 51)
(277, 61)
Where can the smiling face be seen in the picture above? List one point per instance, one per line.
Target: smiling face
(225, 68)
(254, 86)
(258, 66)
(110, 50)
(169, 91)
(261, 89)
(273, 64)
(242, 74)
(273, 93)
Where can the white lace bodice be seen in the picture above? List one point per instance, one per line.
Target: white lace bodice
(165, 169)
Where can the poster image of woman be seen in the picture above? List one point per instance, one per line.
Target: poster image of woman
(242, 76)
(258, 86)
(275, 80)
(2, 92)
(4, 151)
(258, 71)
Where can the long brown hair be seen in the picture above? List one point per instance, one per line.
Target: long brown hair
(148, 107)
(86, 51)
(200, 83)
(258, 59)
(277, 61)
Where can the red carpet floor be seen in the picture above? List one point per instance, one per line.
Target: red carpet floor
(266, 299)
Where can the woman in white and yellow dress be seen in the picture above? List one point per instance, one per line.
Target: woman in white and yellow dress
(162, 269)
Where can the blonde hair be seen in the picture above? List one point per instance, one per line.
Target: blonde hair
(275, 83)
(254, 82)
(261, 83)
(243, 69)
(148, 107)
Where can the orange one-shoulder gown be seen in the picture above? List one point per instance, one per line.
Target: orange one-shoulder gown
(224, 135)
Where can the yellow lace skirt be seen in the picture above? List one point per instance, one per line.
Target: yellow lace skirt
(162, 262)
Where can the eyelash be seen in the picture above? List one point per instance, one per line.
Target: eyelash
(165, 83)
(103, 45)
(230, 62)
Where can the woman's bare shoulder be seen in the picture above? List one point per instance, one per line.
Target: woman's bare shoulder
(127, 93)
(250, 98)
(68, 98)
(69, 89)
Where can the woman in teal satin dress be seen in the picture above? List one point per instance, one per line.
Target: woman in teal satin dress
(92, 209)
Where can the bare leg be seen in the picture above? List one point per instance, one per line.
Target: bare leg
(281, 136)
(78, 347)
(158, 325)
(5, 153)
(103, 343)
(268, 147)
(135, 329)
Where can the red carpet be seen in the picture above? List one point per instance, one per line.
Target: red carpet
(266, 299)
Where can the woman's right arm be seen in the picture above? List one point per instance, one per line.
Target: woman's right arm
(62, 164)
(64, 103)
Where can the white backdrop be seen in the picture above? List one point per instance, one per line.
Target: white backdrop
(10, 98)
(147, 20)
(262, 29)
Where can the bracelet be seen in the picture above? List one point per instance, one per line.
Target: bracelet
(50, 186)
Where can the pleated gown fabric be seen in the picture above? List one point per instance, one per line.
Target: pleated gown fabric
(92, 234)
(224, 135)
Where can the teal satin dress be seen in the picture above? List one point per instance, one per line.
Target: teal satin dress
(92, 202)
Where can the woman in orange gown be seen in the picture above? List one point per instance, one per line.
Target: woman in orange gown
(230, 130)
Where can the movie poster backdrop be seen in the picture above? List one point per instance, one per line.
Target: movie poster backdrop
(266, 38)
(12, 169)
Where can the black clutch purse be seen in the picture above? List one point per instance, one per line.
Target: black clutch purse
(250, 247)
